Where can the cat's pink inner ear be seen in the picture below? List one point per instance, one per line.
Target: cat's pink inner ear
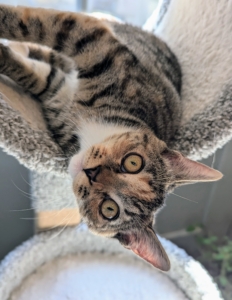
(145, 244)
(187, 170)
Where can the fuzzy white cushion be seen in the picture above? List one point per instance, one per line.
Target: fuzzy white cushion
(187, 274)
(97, 277)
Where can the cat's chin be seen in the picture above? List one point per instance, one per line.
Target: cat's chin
(76, 164)
(108, 234)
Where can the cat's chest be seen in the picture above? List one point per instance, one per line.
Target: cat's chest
(91, 132)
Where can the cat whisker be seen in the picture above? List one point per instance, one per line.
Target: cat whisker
(54, 214)
(25, 180)
(25, 193)
(213, 161)
(26, 196)
(18, 210)
(184, 198)
(57, 234)
(214, 156)
(53, 227)
(31, 197)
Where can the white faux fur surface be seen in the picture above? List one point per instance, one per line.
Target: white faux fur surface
(51, 192)
(200, 34)
(97, 277)
(187, 274)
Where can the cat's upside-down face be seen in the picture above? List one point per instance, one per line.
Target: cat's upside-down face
(121, 182)
(125, 172)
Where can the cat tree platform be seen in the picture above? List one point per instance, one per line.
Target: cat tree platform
(74, 264)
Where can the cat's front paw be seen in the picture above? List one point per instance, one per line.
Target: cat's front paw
(19, 48)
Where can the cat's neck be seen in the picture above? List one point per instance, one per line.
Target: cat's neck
(94, 132)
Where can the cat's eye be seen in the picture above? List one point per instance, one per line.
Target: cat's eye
(132, 163)
(109, 209)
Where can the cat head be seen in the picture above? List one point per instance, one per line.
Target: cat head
(120, 184)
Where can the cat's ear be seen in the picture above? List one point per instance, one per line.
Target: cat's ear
(145, 244)
(186, 170)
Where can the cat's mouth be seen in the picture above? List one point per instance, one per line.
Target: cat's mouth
(106, 233)
(76, 164)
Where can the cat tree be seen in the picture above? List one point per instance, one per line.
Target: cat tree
(200, 36)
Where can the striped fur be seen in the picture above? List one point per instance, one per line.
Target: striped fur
(138, 78)
(106, 90)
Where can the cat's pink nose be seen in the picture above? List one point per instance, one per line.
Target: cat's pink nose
(92, 173)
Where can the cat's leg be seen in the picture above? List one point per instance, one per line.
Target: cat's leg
(53, 88)
(65, 32)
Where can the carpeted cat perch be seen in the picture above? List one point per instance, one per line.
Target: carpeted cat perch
(200, 36)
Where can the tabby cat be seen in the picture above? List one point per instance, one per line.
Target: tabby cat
(111, 92)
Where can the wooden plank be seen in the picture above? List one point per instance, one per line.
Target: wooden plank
(57, 218)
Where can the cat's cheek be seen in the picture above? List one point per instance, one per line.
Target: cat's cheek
(76, 164)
